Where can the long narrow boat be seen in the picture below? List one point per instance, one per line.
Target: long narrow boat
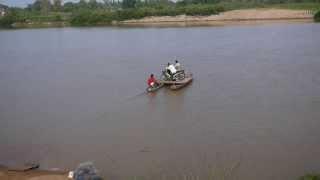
(154, 89)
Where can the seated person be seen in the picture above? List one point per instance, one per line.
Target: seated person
(177, 66)
(152, 82)
(171, 69)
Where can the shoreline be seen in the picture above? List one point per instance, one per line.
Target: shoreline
(216, 23)
(36, 174)
(234, 17)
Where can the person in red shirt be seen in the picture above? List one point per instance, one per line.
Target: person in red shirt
(152, 82)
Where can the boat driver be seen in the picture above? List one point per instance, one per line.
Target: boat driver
(152, 82)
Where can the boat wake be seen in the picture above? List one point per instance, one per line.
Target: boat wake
(135, 96)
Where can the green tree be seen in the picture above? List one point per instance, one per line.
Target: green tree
(93, 4)
(69, 7)
(317, 16)
(45, 6)
(40, 5)
(129, 4)
(36, 6)
(110, 3)
(11, 17)
(107, 3)
(57, 4)
(83, 4)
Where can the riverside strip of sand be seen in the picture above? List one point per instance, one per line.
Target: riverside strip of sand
(244, 16)
(6, 174)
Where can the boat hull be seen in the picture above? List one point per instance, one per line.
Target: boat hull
(180, 85)
(154, 89)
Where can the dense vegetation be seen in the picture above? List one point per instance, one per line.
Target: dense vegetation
(93, 12)
(317, 16)
(86, 17)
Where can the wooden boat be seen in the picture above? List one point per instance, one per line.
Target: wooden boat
(179, 86)
(154, 89)
(175, 85)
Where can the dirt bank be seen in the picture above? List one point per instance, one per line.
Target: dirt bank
(5, 174)
(235, 16)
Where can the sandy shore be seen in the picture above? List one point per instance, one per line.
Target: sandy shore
(5, 174)
(230, 17)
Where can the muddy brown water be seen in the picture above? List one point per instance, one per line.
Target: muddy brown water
(73, 95)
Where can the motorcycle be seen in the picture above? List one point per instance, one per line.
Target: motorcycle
(178, 76)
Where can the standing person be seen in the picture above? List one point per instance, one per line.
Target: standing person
(152, 82)
(177, 65)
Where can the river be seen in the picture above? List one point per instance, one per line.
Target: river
(71, 95)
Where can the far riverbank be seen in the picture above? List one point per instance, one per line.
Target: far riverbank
(234, 17)
(6, 174)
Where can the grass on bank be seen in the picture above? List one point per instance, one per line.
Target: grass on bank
(310, 177)
(20, 16)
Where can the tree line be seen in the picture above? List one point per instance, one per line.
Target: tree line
(56, 5)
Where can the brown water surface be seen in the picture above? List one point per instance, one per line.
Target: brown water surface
(72, 95)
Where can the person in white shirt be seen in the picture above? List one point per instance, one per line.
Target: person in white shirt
(177, 65)
(172, 69)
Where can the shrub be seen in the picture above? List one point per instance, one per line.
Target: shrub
(310, 177)
(86, 18)
(9, 19)
(57, 17)
(6, 21)
(202, 10)
(317, 16)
